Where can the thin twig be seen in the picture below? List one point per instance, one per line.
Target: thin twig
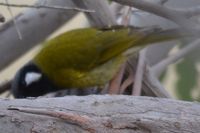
(46, 6)
(114, 86)
(162, 65)
(126, 16)
(137, 86)
(14, 21)
(126, 83)
(103, 15)
(152, 82)
(162, 2)
(151, 85)
(125, 21)
(81, 120)
(189, 12)
(162, 11)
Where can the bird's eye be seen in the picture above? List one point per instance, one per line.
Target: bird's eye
(32, 77)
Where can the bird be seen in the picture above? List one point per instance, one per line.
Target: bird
(83, 58)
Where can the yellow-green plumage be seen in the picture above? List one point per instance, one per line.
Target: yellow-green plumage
(90, 57)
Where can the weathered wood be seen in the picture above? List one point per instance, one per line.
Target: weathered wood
(102, 114)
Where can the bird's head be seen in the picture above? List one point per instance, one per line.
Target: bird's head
(29, 81)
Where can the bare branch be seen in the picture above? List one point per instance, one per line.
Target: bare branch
(126, 16)
(162, 11)
(27, 21)
(5, 86)
(99, 114)
(126, 83)
(162, 65)
(80, 120)
(151, 86)
(154, 84)
(163, 1)
(114, 86)
(189, 12)
(103, 16)
(14, 21)
(139, 73)
(46, 6)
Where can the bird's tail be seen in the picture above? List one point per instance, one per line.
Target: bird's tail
(160, 35)
(137, 38)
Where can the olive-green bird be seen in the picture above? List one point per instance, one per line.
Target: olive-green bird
(83, 58)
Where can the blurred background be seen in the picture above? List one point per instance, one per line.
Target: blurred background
(181, 79)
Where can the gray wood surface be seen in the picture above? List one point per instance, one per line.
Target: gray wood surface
(102, 114)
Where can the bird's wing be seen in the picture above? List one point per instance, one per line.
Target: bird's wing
(84, 49)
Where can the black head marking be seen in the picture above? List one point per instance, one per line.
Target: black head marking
(29, 81)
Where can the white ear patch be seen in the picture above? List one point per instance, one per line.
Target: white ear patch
(32, 77)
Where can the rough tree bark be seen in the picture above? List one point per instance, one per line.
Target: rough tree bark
(102, 114)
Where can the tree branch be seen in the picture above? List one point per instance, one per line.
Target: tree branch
(189, 12)
(37, 6)
(153, 85)
(6, 85)
(103, 16)
(102, 114)
(162, 65)
(137, 87)
(14, 22)
(162, 11)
